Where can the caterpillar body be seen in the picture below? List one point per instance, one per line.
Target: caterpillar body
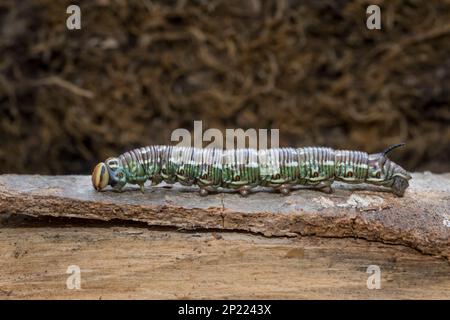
(245, 169)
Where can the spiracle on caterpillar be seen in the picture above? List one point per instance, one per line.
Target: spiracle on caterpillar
(245, 169)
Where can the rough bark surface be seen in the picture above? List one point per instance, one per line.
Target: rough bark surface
(126, 260)
(421, 219)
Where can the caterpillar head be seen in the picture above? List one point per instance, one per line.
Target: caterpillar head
(110, 173)
(385, 172)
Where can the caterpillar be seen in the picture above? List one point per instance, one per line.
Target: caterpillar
(245, 169)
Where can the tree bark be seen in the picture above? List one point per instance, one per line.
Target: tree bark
(126, 260)
(420, 219)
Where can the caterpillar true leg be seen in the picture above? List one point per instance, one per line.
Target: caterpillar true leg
(118, 189)
(156, 180)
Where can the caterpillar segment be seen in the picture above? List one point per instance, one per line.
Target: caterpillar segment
(245, 169)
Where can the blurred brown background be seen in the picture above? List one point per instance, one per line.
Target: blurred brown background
(139, 69)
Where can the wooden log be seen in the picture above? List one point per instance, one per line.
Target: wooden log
(421, 219)
(126, 260)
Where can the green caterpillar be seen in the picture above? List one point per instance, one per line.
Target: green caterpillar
(245, 169)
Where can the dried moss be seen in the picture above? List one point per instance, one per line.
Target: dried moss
(139, 69)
